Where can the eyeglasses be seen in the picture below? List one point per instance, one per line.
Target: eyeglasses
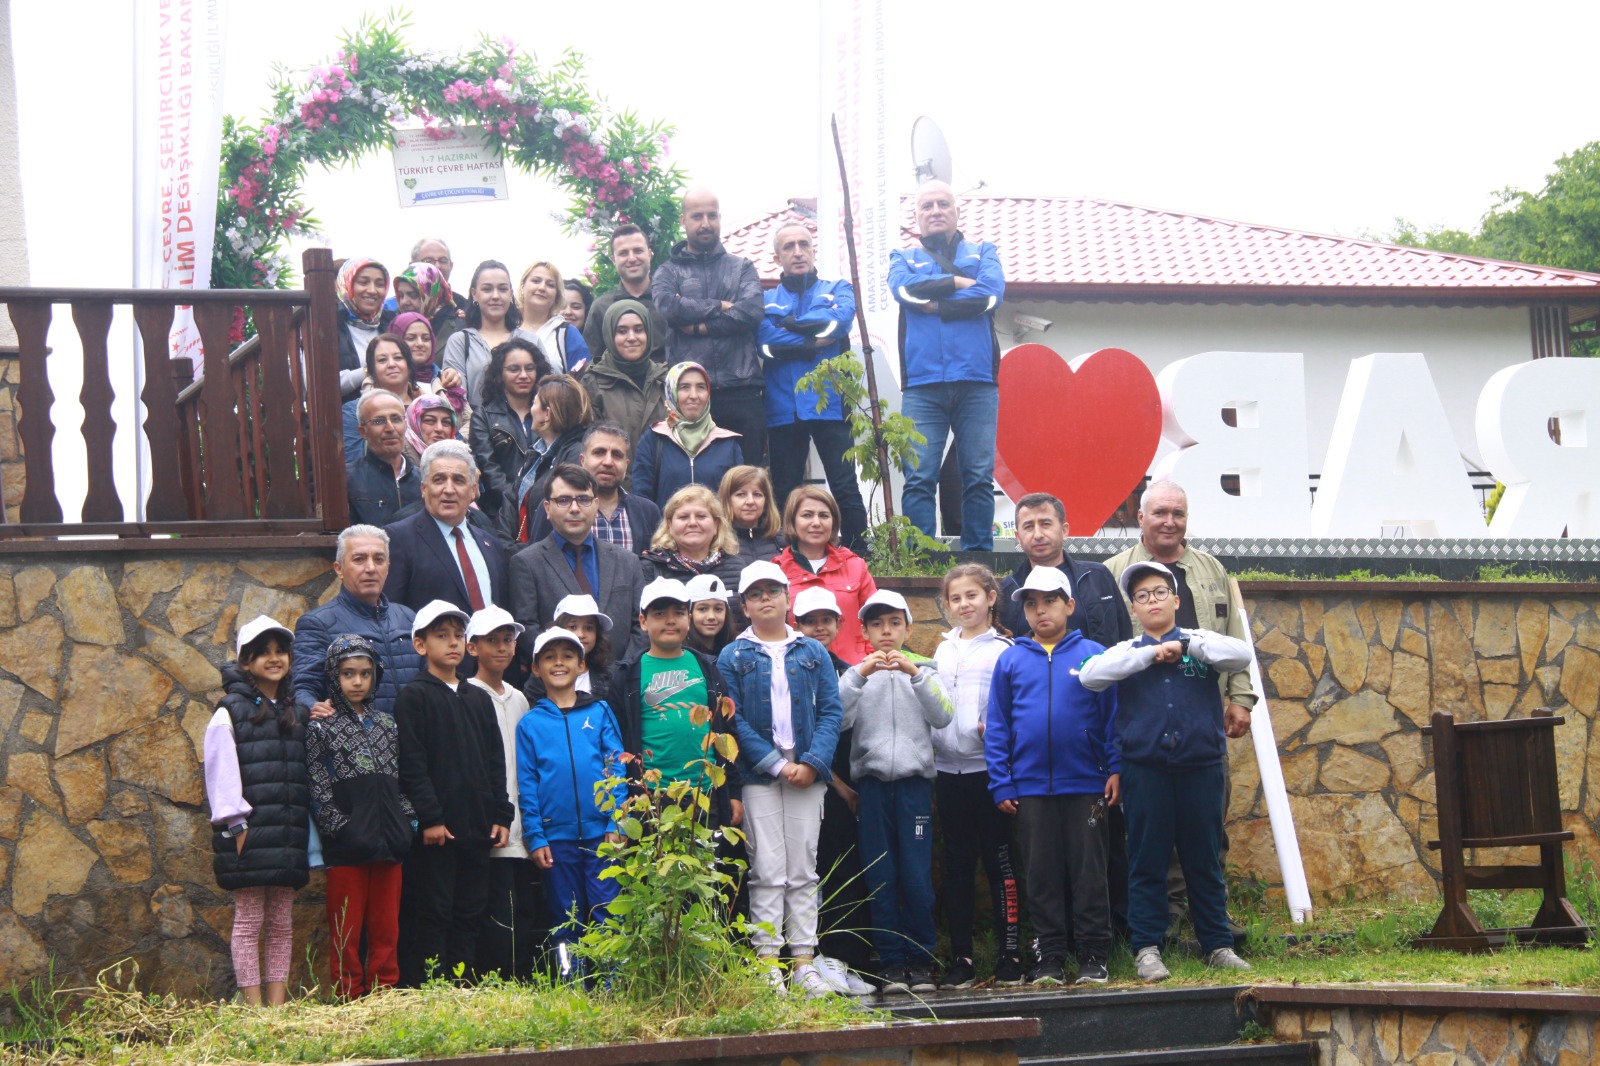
(438, 261)
(764, 592)
(1155, 595)
(522, 371)
(387, 420)
(565, 502)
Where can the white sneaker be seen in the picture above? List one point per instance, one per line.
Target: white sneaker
(858, 987)
(1148, 965)
(774, 977)
(809, 980)
(1225, 959)
(833, 971)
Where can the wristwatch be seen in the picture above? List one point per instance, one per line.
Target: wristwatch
(229, 832)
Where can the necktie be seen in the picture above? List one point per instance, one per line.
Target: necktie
(579, 572)
(468, 574)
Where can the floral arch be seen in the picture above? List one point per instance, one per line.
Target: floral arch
(544, 120)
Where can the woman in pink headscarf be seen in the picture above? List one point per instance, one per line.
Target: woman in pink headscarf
(422, 288)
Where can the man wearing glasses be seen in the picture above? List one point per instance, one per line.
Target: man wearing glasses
(435, 253)
(380, 482)
(571, 561)
(1206, 600)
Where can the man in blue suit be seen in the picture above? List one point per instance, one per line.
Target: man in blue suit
(436, 554)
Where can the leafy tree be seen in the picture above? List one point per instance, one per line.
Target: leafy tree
(1558, 226)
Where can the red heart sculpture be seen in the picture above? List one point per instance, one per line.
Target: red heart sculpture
(1083, 431)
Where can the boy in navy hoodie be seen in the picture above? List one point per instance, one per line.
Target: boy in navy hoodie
(1052, 763)
(566, 743)
(1171, 736)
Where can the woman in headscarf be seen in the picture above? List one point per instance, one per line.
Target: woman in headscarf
(429, 419)
(540, 293)
(360, 285)
(686, 447)
(625, 385)
(413, 328)
(422, 288)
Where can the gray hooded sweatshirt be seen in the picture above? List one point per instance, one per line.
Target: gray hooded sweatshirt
(894, 717)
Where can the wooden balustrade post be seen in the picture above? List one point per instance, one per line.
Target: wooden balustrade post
(93, 319)
(31, 320)
(322, 389)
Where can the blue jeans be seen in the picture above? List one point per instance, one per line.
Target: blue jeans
(896, 838)
(970, 410)
(1183, 807)
(573, 886)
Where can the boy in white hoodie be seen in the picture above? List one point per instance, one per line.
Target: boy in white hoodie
(969, 822)
(894, 702)
(512, 928)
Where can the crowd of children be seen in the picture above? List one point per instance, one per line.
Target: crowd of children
(462, 833)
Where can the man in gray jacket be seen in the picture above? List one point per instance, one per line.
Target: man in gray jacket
(713, 302)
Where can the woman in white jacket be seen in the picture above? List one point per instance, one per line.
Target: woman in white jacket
(972, 825)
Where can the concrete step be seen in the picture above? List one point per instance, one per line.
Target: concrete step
(1293, 1054)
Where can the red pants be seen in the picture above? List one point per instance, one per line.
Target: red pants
(363, 897)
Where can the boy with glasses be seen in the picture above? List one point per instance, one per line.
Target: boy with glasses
(1169, 729)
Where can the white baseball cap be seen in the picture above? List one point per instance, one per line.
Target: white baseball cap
(491, 618)
(556, 633)
(1135, 571)
(663, 588)
(884, 598)
(762, 570)
(582, 605)
(256, 627)
(815, 598)
(435, 610)
(1044, 579)
(707, 587)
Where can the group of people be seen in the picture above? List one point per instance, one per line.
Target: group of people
(441, 735)
(698, 367)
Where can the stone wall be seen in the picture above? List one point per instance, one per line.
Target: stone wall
(108, 676)
(1352, 672)
(1358, 1036)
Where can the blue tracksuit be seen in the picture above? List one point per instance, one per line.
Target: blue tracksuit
(561, 755)
(958, 343)
(1045, 734)
(798, 311)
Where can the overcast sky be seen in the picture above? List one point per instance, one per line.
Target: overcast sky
(1328, 119)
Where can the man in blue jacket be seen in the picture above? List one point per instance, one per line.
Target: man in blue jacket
(362, 562)
(948, 288)
(807, 320)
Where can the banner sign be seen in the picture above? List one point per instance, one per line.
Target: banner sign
(177, 72)
(452, 165)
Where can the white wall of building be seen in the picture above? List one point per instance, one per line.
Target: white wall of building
(1463, 346)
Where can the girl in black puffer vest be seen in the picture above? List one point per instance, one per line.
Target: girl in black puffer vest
(260, 795)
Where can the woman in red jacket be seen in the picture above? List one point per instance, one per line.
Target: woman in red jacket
(815, 557)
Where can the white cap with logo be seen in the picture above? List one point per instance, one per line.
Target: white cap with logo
(434, 610)
(885, 598)
(582, 605)
(815, 598)
(707, 587)
(1044, 579)
(762, 570)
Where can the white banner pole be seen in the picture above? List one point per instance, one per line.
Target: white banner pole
(1284, 837)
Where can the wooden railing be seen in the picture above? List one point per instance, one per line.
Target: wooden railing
(254, 446)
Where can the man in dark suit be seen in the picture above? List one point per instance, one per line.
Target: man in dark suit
(571, 560)
(436, 554)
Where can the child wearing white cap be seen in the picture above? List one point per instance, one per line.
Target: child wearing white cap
(893, 701)
(453, 769)
(580, 614)
(1052, 763)
(260, 797)
(710, 618)
(1171, 733)
(567, 743)
(787, 724)
(512, 917)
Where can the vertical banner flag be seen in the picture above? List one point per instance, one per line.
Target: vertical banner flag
(177, 137)
(854, 87)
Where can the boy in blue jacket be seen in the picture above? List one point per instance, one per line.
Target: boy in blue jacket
(1052, 763)
(1171, 737)
(566, 743)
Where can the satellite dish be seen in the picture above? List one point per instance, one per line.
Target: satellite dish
(930, 154)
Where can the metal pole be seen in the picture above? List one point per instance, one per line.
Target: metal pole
(866, 340)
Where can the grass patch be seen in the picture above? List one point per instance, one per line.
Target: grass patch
(130, 1028)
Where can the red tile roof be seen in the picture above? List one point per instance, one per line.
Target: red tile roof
(1082, 247)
